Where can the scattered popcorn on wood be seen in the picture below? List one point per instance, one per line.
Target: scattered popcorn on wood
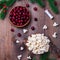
(25, 31)
(45, 27)
(29, 57)
(55, 24)
(19, 57)
(54, 35)
(49, 14)
(17, 41)
(38, 43)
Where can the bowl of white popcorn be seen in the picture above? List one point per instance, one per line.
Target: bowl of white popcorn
(38, 43)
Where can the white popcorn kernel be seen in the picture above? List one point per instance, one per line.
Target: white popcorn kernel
(28, 44)
(30, 48)
(17, 41)
(34, 51)
(42, 34)
(54, 35)
(47, 48)
(55, 24)
(19, 57)
(44, 27)
(25, 31)
(37, 38)
(21, 48)
(33, 39)
(49, 14)
(38, 35)
(29, 38)
(29, 57)
(41, 52)
(33, 35)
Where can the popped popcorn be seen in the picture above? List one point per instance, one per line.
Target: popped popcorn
(21, 48)
(38, 43)
(17, 41)
(55, 24)
(25, 31)
(29, 57)
(54, 35)
(19, 57)
(45, 27)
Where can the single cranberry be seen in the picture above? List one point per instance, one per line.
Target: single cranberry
(18, 24)
(19, 34)
(23, 13)
(21, 23)
(18, 21)
(13, 18)
(4, 6)
(35, 8)
(12, 30)
(4, 11)
(21, 9)
(33, 28)
(14, 22)
(27, 5)
(35, 19)
(25, 21)
(55, 3)
(58, 56)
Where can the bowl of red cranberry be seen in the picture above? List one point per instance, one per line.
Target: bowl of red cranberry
(19, 16)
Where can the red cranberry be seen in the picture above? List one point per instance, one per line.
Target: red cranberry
(35, 9)
(35, 19)
(13, 18)
(55, 3)
(18, 24)
(33, 28)
(19, 21)
(27, 5)
(58, 56)
(4, 6)
(12, 30)
(4, 11)
(14, 14)
(20, 8)
(14, 22)
(19, 34)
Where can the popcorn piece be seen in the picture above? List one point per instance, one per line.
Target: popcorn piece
(25, 31)
(54, 35)
(17, 41)
(49, 14)
(40, 52)
(34, 36)
(19, 57)
(46, 48)
(29, 57)
(30, 47)
(27, 44)
(55, 24)
(21, 48)
(44, 27)
(38, 43)
(38, 34)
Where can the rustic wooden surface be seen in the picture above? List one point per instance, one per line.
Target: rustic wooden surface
(9, 50)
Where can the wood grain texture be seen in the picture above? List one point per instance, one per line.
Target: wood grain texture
(8, 49)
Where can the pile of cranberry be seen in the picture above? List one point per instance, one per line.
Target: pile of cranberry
(19, 16)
